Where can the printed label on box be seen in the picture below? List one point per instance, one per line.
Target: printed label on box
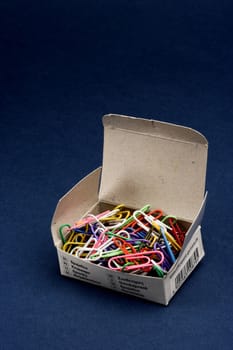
(71, 268)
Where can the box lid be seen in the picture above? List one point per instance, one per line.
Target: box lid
(152, 162)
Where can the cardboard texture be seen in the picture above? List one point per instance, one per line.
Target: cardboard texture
(144, 162)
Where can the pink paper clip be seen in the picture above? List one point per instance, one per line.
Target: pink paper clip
(140, 261)
(90, 219)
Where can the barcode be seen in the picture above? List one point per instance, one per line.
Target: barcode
(188, 267)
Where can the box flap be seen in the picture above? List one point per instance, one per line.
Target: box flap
(74, 204)
(152, 162)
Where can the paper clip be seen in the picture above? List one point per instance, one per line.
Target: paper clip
(173, 259)
(61, 233)
(75, 239)
(124, 245)
(85, 251)
(139, 261)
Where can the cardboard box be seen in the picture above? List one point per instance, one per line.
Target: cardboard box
(144, 162)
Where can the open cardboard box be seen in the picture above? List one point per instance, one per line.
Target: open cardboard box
(144, 162)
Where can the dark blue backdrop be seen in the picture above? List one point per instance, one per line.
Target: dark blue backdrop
(63, 65)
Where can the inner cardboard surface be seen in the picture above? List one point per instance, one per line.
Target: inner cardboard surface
(146, 161)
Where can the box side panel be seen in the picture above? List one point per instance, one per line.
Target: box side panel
(76, 202)
(193, 254)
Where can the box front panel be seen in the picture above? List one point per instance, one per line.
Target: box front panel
(155, 289)
(150, 288)
(159, 290)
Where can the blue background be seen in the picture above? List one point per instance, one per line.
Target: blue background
(63, 64)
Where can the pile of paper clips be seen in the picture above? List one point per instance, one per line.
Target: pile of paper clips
(142, 241)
